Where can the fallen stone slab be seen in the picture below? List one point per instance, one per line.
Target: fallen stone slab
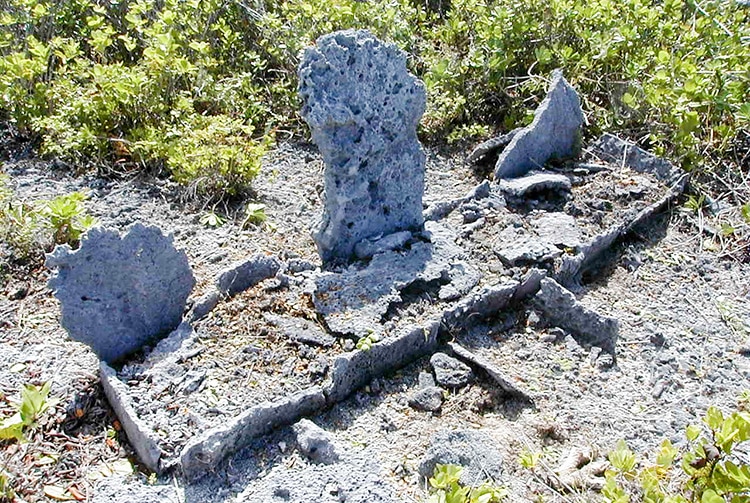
(519, 189)
(205, 452)
(449, 372)
(119, 292)
(488, 368)
(239, 277)
(561, 308)
(204, 305)
(301, 331)
(315, 443)
(471, 449)
(363, 106)
(555, 132)
(355, 300)
(516, 246)
(491, 146)
(558, 229)
(442, 209)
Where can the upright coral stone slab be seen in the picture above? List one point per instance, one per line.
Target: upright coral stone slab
(363, 107)
(117, 292)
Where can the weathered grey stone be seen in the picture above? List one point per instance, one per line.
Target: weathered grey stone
(239, 277)
(355, 300)
(480, 305)
(140, 436)
(301, 330)
(471, 449)
(558, 229)
(491, 146)
(516, 246)
(553, 134)
(442, 209)
(561, 308)
(624, 153)
(491, 370)
(517, 189)
(449, 372)
(117, 292)
(315, 443)
(428, 399)
(204, 305)
(351, 371)
(203, 453)
(426, 380)
(363, 107)
(369, 247)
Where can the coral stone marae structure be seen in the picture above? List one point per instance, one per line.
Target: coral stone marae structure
(363, 107)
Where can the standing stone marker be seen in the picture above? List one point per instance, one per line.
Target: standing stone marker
(363, 107)
(554, 133)
(119, 292)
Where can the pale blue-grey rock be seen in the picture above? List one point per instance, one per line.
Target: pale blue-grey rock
(587, 327)
(117, 293)
(363, 107)
(315, 443)
(554, 133)
(518, 189)
(449, 372)
(355, 300)
(471, 449)
(239, 277)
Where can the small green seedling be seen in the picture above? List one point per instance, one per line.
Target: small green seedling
(212, 219)
(34, 402)
(255, 214)
(446, 488)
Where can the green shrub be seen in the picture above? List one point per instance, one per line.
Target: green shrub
(127, 82)
(707, 470)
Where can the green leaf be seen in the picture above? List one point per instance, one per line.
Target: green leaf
(12, 428)
(692, 432)
(710, 496)
(622, 458)
(714, 418)
(666, 454)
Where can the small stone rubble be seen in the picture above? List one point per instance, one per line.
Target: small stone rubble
(274, 340)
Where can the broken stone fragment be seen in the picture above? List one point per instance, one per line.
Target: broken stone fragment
(363, 106)
(491, 370)
(554, 133)
(119, 292)
(516, 246)
(588, 327)
(241, 276)
(449, 372)
(428, 399)
(490, 147)
(518, 189)
(372, 246)
(315, 443)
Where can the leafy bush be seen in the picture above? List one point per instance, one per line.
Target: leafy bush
(707, 470)
(185, 83)
(31, 228)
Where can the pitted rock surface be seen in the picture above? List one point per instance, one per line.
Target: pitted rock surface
(117, 292)
(553, 134)
(363, 107)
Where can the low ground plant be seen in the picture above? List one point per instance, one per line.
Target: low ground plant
(446, 487)
(33, 403)
(711, 467)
